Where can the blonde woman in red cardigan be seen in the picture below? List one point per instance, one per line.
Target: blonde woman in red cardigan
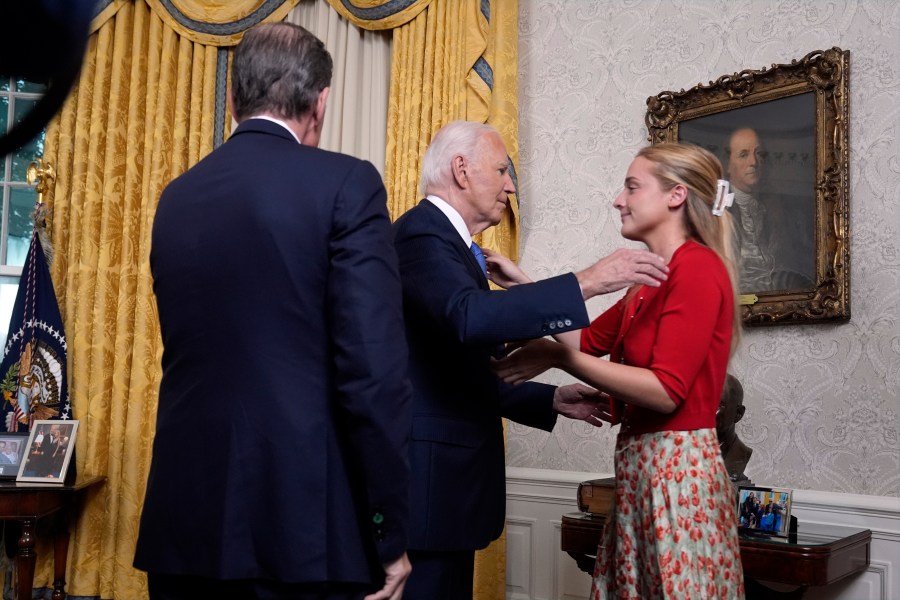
(673, 531)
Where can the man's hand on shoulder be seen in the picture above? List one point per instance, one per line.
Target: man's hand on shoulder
(503, 271)
(621, 269)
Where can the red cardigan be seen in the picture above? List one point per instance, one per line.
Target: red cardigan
(681, 331)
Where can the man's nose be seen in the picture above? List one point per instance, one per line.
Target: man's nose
(508, 186)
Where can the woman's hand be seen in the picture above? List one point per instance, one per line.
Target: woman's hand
(529, 361)
(503, 271)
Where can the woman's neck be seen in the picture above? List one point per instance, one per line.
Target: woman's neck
(665, 246)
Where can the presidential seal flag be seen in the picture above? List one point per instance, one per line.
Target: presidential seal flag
(33, 370)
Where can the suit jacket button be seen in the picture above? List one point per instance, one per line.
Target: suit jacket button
(378, 518)
(552, 325)
(568, 322)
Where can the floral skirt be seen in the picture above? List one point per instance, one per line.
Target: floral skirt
(673, 531)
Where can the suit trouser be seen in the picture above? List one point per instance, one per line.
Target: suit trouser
(190, 587)
(440, 575)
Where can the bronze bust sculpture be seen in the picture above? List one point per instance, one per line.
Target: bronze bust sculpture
(735, 453)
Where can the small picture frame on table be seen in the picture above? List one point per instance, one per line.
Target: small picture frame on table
(48, 451)
(764, 510)
(12, 449)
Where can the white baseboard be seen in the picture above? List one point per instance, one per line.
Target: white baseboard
(536, 569)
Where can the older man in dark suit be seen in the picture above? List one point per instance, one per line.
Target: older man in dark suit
(280, 462)
(454, 325)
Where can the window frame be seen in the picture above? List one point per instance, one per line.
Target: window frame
(7, 185)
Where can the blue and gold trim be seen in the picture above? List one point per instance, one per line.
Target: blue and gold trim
(221, 97)
(484, 71)
(376, 13)
(225, 29)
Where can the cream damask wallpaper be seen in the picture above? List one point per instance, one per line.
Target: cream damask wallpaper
(822, 400)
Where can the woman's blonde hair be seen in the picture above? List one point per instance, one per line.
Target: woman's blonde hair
(699, 170)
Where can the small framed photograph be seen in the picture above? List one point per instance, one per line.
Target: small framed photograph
(764, 510)
(48, 451)
(12, 446)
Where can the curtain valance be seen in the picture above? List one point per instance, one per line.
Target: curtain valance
(379, 14)
(203, 21)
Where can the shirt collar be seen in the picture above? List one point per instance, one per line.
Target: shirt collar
(455, 218)
(280, 122)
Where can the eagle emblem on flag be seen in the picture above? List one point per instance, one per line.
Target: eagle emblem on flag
(33, 369)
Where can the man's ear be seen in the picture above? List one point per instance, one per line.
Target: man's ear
(229, 101)
(321, 102)
(677, 196)
(458, 167)
(739, 413)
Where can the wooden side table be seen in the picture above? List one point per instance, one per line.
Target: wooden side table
(818, 555)
(25, 503)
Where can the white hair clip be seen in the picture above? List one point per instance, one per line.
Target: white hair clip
(723, 198)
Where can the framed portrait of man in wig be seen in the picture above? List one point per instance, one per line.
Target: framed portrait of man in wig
(781, 135)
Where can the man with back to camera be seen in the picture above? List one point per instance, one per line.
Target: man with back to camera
(279, 304)
(455, 324)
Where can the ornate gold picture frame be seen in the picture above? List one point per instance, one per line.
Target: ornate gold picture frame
(782, 136)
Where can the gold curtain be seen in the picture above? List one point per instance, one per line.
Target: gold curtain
(218, 23)
(142, 113)
(452, 59)
(502, 111)
(378, 14)
(434, 81)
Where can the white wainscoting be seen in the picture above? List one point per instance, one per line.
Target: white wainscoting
(536, 569)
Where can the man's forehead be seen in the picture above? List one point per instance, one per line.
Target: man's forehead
(744, 138)
(491, 140)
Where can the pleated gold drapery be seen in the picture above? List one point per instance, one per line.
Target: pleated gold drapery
(452, 59)
(143, 111)
(434, 81)
(149, 104)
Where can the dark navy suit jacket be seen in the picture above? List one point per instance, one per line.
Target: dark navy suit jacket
(454, 324)
(283, 419)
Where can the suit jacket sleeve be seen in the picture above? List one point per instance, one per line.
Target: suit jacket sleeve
(529, 403)
(366, 322)
(438, 277)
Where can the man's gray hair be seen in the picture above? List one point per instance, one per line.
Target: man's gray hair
(278, 68)
(453, 139)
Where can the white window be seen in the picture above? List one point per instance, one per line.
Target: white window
(17, 198)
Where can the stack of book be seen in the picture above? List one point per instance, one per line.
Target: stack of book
(581, 531)
(596, 496)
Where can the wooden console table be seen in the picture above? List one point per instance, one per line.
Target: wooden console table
(817, 555)
(25, 503)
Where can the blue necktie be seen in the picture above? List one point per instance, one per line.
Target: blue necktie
(479, 256)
